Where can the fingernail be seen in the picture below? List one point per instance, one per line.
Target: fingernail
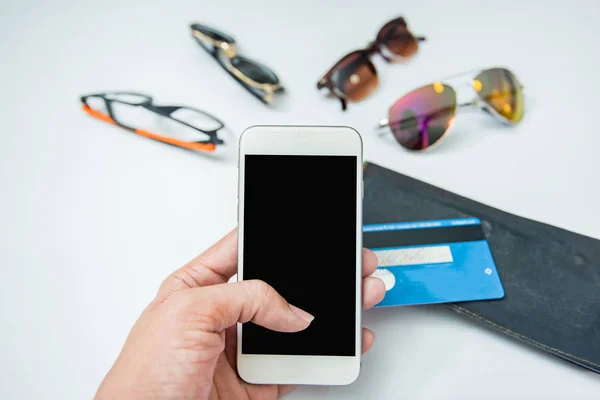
(301, 313)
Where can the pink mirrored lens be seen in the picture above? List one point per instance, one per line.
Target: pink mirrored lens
(422, 117)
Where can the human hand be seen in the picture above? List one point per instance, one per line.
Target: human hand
(184, 343)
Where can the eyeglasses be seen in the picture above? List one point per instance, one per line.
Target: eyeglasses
(354, 76)
(256, 78)
(180, 126)
(424, 116)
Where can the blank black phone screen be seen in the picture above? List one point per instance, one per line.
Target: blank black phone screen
(300, 237)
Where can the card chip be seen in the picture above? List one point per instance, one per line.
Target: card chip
(414, 256)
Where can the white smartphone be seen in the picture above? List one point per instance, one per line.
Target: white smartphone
(300, 230)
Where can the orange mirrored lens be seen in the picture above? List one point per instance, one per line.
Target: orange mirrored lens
(500, 90)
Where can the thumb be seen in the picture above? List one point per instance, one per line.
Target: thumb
(225, 304)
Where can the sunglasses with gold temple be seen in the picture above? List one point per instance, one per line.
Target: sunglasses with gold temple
(256, 78)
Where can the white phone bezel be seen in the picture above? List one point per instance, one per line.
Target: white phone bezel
(302, 140)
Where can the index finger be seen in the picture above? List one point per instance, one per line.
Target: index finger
(216, 265)
(219, 263)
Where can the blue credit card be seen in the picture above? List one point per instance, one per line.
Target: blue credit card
(438, 261)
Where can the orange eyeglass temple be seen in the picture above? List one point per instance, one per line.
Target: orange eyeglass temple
(205, 147)
(98, 115)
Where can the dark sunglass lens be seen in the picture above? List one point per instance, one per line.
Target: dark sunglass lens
(213, 33)
(255, 71)
(500, 90)
(422, 117)
(397, 38)
(355, 76)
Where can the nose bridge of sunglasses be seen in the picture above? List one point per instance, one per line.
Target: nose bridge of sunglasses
(229, 49)
(466, 88)
(388, 55)
(466, 94)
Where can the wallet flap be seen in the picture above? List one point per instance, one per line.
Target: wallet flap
(551, 276)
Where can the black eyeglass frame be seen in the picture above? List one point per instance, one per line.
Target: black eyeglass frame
(147, 103)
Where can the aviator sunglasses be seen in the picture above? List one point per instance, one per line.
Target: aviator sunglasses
(424, 116)
(256, 78)
(354, 76)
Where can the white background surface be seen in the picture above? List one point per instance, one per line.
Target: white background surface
(93, 218)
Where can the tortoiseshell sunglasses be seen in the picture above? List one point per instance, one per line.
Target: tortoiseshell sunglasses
(256, 78)
(179, 126)
(354, 76)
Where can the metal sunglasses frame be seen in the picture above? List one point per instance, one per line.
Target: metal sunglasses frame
(477, 103)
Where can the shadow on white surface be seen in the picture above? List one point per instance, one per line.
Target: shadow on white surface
(282, 102)
(401, 366)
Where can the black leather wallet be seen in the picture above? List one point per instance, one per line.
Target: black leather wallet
(551, 276)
